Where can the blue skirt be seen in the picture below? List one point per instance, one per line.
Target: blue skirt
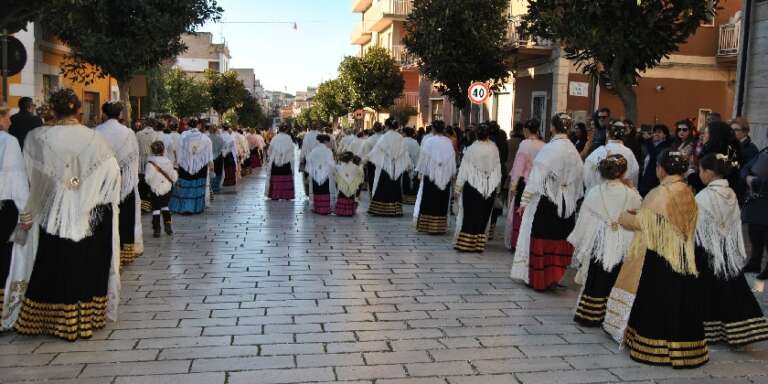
(188, 195)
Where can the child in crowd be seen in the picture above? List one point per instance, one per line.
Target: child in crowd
(160, 176)
(349, 178)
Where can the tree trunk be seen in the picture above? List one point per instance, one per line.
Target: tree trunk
(626, 93)
(125, 97)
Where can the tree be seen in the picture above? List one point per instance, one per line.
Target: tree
(331, 100)
(249, 112)
(122, 38)
(372, 81)
(225, 89)
(17, 13)
(617, 40)
(186, 96)
(402, 113)
(458, 42)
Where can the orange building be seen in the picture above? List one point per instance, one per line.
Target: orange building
(42, 74)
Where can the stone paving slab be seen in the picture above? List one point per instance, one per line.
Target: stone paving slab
(266, 292)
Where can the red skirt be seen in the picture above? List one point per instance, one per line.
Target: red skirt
(281, 187)
(517, 219)
(345, 206)
(255, 158)
(230, 171)
(548, 262)
(321, 204)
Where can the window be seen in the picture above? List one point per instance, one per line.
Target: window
(213, 65)
(701, 120)
(90, 108)
(50, 84)
(711, 10)
(539, 110)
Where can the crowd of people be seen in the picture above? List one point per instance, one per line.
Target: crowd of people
(651, 220)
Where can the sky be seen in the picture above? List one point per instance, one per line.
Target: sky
(285, 59)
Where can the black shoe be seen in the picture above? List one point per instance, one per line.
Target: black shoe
(167, 222)
(763, 275)
(155, 225)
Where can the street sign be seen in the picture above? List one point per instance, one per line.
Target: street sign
(478, 92)
(359, 114)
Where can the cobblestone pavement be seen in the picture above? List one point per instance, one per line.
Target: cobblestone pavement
(265, 292)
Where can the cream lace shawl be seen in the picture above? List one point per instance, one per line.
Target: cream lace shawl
(480, 167)
(126, 148)
(13, 173)
(195, 151)
(320, 164)
(719, 231)
(437, 161)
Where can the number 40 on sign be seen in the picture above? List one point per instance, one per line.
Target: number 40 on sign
(478, 92)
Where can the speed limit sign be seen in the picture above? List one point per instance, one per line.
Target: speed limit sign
(478, 92)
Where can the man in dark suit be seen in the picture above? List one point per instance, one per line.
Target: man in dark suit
(24, 121)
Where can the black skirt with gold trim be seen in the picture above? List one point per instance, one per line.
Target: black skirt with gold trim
(67, 292)
(410, 188)
(590, 310)
(731, 313)
(477, 211)
(127, 228)
(388, 198)
(433, 208)
(9, 217)
(665, 325)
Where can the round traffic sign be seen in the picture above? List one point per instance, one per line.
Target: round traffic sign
(478, 92)
(17, 55)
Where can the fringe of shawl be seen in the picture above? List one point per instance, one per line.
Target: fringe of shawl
(390, 155)
(14, 186)
(725, 246)
(348, 179)
(563, 193)
(664, 238)
(590, 239)
(129, 174)
(484, 181)
(521, 260)
(66, 212)
(281, 150)
(195, 152)
(440, 171)
(156, 181)
(320, 164)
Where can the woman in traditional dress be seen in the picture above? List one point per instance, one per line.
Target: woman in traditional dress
(549, 210)
(410, 179)
(391, 160)
(731, 313)
(365, 150)
(599, 242)
(521, 168)
(615, 145)
(160, 176)
(349, 179)
(280, 166)
(436, 167)
(231, 164)
(126, 149)
(72, 218)
(655, 307)
(195, 157)
(479, 177)
(256, 144)
(218, 148)
(14, 192)
(320, 167)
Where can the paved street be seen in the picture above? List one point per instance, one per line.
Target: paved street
(267, 292)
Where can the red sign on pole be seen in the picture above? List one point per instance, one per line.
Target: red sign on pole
(478, 92)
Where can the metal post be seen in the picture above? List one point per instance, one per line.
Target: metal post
(4, 69)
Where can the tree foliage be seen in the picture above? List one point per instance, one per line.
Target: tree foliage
(372, 81)
(249, 112)
(458, 42)
(331, 100)
(402, 113)
(617, 39)
(17, 13)
(185, 96)
(225, 89)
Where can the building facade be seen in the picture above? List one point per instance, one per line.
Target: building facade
(202, 54)
(752, 88)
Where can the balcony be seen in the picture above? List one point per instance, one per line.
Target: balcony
(729, 42)
(402, 56)
(359, 34)
(360, 5)
(524, 45)
(408, 99)
(385, 12)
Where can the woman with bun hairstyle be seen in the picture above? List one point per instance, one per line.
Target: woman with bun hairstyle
(476, 183)
(521, 168)
(655, 306)
(731, 313)
(548, 206)
(615, 145)
(599, 242)
(71, 216)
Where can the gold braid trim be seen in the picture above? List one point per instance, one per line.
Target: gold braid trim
(668, 241)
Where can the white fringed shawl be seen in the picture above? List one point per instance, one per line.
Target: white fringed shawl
(320, 164)
(719, 231)
(348, 178)
(281, 151)
(391, 156)
(437, 161)
(597, 234)
(614, 147)
(145, 138)
(126, 148)
(55, 157)
(308, 143)
(13, 174)
(413, 148)
(557, 173)
(194, 152)
(158, 183)
(480, 167)
(368, 145)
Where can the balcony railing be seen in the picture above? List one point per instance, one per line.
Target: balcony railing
(402, 56)
(408, 99)
(517, 36)
(384, 12)
(729, 40)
